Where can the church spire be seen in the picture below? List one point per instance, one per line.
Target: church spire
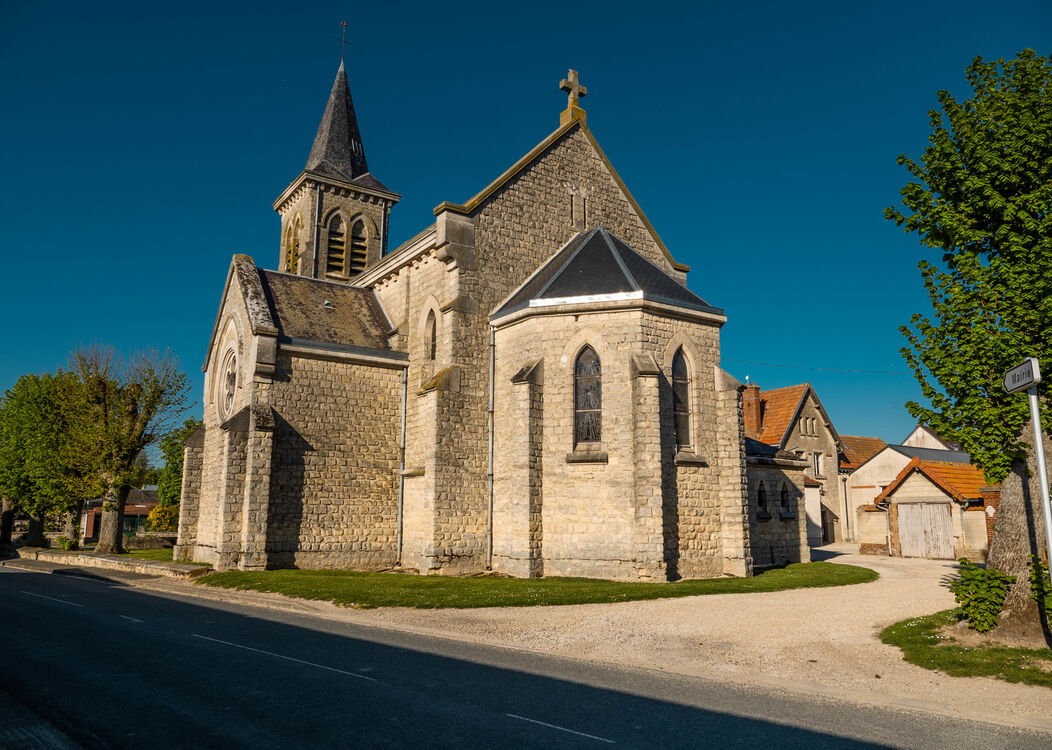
(337, 149)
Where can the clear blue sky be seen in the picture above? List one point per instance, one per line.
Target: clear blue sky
(142, 147)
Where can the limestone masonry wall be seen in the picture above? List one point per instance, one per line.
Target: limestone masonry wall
(778, 536)
(633, 507)
(333, 486)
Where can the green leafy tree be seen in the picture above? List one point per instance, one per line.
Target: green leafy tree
(43, 469)
(170, 478)
(983, 196)
(131, 401)
(142, 473)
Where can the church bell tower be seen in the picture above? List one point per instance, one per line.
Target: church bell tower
(334, 214)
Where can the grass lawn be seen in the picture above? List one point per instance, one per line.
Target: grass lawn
(368, 590)
(163, 554)
(922, 645)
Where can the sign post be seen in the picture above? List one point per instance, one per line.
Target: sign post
(1026, 376)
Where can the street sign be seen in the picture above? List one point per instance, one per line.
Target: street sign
(1021, 377)
(1026, 377)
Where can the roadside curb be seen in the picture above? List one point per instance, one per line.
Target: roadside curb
(111, 562)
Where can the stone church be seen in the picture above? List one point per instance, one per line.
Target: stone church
(527, 386)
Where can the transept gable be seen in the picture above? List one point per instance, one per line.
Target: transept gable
(568, 130)
(242, 284)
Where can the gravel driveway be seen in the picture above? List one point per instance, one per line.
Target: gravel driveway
(820, 641)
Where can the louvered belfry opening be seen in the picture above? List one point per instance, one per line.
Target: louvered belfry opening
(588, 398)
(359, 247)
(337, 246)
(292, 245)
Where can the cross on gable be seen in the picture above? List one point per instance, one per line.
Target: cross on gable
(573, 87)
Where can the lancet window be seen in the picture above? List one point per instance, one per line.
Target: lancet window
(588, 398)
(681, 399)
(431, 333)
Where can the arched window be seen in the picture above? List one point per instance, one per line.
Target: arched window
(681, 399)
(431, 334)
(785, 498)
(292, 245)
(359, 247)
(337, 246)
(587, 398)
(761, 499)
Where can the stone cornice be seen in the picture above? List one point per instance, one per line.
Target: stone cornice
(309, 179)
(344, 353)
(612, 305)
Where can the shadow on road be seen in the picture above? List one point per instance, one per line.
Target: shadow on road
(825, 553)
(118, 667)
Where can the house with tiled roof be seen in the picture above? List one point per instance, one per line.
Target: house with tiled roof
(941, 510)
(792, 420)
(863, 477)
(857, 449)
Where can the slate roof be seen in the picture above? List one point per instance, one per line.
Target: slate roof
(858, 449)
(337, 149)
(600, 263)
(933, 454)
(756, 448)
(779, 407)
(959, 481)
(297, 306)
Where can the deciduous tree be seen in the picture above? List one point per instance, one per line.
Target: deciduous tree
(131, 401)
(983, 196)
(170, 478)
(43, 465)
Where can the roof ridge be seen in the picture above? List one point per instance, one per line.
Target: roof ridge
(629, 276)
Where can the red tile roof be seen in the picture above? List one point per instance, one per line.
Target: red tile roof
(858, 449)
(779, 406)
(959, 481)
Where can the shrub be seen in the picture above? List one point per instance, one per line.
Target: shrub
(64, 542)
(163, 518)
(1040, 589)
(980, 594)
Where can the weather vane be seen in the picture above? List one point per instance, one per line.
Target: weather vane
(343, 40)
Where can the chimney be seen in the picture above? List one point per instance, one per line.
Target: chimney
(751, 407)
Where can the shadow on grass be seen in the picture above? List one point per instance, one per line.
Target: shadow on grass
(366, 590)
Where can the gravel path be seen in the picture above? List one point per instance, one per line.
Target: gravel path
(822, 641)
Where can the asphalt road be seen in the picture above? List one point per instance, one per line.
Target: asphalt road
(111, 666)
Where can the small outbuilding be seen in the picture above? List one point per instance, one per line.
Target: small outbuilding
(938, 510)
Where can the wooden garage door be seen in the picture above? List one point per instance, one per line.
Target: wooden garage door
(926, 530)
